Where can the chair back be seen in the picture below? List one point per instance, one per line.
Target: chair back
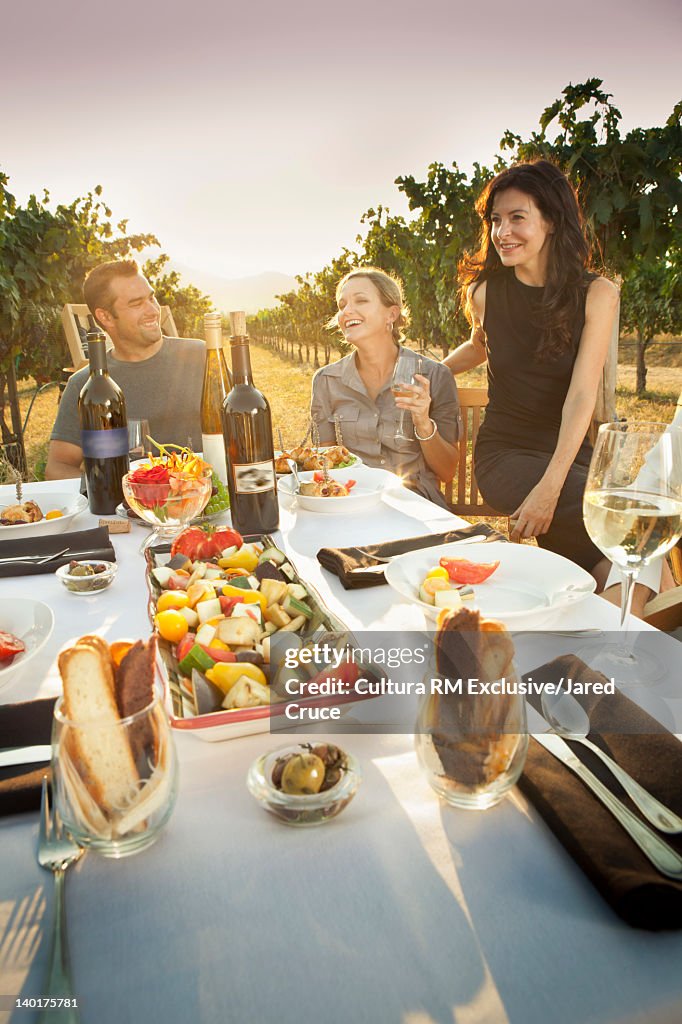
(462, 493)
(76, 326)
(605, 407)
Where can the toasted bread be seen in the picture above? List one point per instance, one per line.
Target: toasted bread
(96, 739)
(472, 732)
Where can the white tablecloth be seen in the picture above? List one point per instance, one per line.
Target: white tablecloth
(402, 909)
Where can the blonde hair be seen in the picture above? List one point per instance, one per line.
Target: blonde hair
(390, 292)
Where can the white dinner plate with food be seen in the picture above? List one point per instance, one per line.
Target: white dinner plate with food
(366, 491)
(68, 504)
(29, 621)
(529, 586)
(336, 464)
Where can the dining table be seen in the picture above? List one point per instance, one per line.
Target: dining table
(402, 909)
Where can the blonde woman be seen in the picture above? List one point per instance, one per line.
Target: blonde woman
(355, 392)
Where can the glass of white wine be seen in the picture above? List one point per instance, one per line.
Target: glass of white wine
(633, 512)
(406, 365)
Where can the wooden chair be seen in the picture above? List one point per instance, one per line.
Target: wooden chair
(462, 494)
(605, 407)
(76, 326)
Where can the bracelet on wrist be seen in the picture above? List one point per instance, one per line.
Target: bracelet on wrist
(428, 436)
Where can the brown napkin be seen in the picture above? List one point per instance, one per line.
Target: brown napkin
(24, 725)
(341, 561)
(81, 544)
(652, 755)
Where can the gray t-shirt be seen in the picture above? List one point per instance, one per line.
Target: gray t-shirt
(368, 427)
(164, 389)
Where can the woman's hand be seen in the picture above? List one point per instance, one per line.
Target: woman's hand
(534, 515)
(418, 403)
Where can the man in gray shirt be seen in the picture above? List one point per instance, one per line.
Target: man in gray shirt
(161, 378)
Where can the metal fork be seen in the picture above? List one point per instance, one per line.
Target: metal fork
(56, 851)
(34, 559)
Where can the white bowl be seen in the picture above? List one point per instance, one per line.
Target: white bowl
(69, 503)
(530, 585)
(30, 621)
(367, 492)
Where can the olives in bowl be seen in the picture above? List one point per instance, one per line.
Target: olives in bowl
(304, 784)
(87, 576)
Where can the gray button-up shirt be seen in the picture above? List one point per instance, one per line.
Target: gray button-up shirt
(368, 426)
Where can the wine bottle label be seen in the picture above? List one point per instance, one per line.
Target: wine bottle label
(214, 453)
(104, 444)
(251, 477)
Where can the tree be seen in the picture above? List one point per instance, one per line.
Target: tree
(646, 307)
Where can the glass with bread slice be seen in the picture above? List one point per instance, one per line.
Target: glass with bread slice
(113, 758)
(471, 735)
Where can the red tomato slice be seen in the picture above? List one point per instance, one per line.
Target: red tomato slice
(460, 570)
(225, 538)
(228, 603)
(193, 542)
(10, 645)
(185, 646)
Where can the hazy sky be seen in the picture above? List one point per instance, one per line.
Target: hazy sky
(253, 136)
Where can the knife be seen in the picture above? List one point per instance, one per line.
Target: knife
(25, 755)
(662, 856)
(475, 538)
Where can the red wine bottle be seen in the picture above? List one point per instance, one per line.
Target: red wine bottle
(104, 431)
(247, 429)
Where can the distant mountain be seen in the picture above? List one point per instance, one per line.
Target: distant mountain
(248, 293)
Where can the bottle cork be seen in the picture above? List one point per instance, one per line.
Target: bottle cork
(238, 323)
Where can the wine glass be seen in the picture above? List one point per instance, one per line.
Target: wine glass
(138, 434)
(403, 374)
(632, 509)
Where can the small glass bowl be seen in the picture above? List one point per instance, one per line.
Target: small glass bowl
(301, 811)
(87, 584)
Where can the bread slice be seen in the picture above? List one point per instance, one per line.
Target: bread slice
(134, 692)
(97, 741)
(473, 734)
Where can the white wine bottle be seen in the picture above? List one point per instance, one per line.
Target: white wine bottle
(217, 385)
(104, 431)
(247, 427)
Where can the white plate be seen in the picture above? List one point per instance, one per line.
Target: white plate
(30, 621)
(70, 503)
(529, 586)
(368, 490)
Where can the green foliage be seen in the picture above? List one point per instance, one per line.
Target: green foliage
(187, 303)
(44, 256)
(630, 187)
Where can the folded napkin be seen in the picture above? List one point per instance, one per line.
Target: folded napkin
(81, 544)
(341, 561)
(653, 756)
(24, 725)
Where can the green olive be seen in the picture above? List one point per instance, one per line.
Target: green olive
(82, 570)
(303, 774)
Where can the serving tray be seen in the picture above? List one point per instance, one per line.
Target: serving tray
(222, 725)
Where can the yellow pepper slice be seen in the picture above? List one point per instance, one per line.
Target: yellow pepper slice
(249, 596)
(240, 560)
(226, 673)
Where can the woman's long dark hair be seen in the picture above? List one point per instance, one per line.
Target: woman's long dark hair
(569, 250)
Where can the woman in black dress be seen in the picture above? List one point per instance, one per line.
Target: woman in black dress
(543, 323)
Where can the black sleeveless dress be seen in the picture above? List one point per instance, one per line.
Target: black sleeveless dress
(521, 427)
